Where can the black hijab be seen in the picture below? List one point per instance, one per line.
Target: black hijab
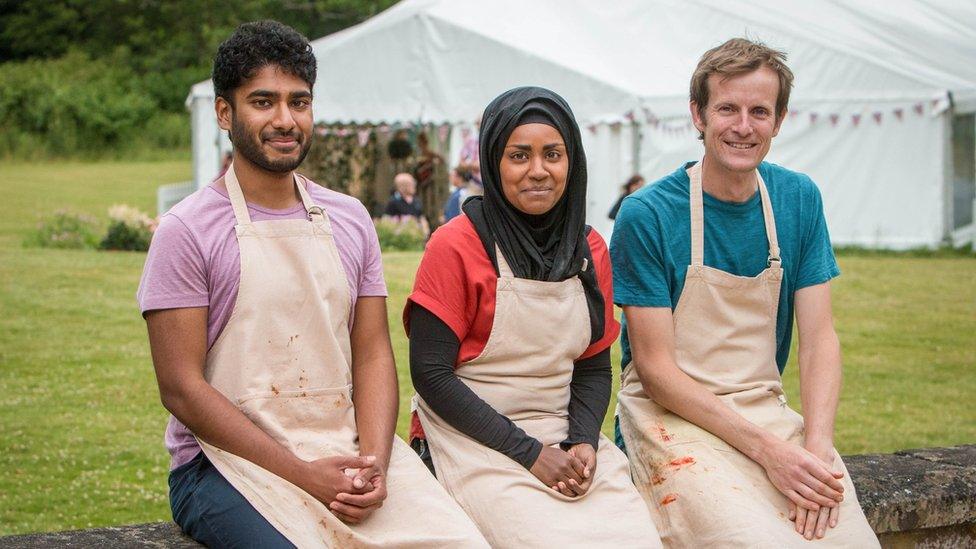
(551, 246)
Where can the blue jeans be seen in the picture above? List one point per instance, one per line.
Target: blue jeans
(208, 509)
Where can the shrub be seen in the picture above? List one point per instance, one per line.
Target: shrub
(66, 230)
(74, 105)
(129, 229)
(403, 233)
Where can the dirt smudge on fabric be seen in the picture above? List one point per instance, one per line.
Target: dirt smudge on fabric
(274, 389)
(663, 433)
(657, 478)
(669, 499)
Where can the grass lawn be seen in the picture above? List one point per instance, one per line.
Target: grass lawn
(81, 424)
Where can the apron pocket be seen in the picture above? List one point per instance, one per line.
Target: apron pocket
(312, 423)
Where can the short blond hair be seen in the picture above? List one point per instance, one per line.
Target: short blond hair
(741, 56)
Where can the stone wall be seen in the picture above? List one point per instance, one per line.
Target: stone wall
(913, 498)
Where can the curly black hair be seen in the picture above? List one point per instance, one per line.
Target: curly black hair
(258, 44)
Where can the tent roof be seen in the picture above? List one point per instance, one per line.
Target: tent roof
(443, 60)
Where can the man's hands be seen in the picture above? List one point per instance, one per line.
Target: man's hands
(352, 487)
(810, 523)
(569, 473)
(802, 477)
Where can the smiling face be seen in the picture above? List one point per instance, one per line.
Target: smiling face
(534, 168)
(740, 119)
(270, 120)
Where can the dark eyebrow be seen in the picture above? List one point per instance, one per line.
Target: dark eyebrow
(300, 94)
(263, 93)
(546, 147)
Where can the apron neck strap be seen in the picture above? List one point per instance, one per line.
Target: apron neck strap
(504, 271)
(698, 217)
(315, 213)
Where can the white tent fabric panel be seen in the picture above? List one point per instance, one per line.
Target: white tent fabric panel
(435, 70)
(882, 184)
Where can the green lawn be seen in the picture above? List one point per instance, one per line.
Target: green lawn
(81, 424)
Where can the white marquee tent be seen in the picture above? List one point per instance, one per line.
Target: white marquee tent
(881, 114)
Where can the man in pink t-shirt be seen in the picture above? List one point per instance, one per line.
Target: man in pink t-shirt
(259, 253)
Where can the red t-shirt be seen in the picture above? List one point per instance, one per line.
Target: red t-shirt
(456, 282)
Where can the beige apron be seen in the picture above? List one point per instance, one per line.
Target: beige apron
(524, 372)
(701, 491)
(284, 359)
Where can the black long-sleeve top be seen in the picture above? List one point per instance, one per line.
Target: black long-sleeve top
(433, 352)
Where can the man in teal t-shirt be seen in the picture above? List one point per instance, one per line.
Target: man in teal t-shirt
(651, 243)
(711, 264)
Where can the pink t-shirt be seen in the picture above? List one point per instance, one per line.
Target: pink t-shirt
(194, 261)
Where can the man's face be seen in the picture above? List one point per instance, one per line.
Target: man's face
(740, 119)
(270, 122)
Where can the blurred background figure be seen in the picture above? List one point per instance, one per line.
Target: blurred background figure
(428, 171)
(635, 182)
(404, 201)
(459, 191)
(470, 157)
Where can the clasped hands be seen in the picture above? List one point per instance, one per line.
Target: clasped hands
(809, 479)
(352, 487)
(568, 472)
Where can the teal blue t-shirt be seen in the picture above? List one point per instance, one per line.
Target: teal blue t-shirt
(651, 244)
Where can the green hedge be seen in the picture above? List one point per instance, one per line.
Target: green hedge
(75, 105)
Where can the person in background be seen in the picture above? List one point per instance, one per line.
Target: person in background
(459, 186)
(470, 156)
(635, 182)
(426, 172)
(710, 265)
(510, 325)
(265, 303)
(404, 201)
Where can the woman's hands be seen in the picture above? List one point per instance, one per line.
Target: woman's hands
(567, 472)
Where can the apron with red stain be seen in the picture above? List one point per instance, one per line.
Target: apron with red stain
(701, 491)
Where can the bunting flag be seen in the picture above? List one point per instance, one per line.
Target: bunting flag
(878, 115)
(919, 109)
(834, 118)
(899, 113)
(629, 115)
(813, 118)
(592, 128)
(856, 119)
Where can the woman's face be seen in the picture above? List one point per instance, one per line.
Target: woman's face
(533, 168)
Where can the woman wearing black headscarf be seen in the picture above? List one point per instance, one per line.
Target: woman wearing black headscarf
(510, 323)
